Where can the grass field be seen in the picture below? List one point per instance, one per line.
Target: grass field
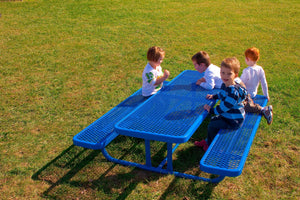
(63, 64)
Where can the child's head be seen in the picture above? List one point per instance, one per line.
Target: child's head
(230, 68)
(201, 57)
(252, 54)
(155, 53)
(233, 64)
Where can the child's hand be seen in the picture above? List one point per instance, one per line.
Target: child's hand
(268, 98)
(166, 74)
(207, 107)
(201, 80)
(209, 96)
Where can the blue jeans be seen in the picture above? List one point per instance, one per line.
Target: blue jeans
(219, 122)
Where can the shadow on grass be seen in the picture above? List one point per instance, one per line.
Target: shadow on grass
(60, 173)
(62, 168)
(188, 162)
(72, 160)
(198, 192)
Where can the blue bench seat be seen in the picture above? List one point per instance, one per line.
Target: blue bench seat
(101, 132)
(227, 154)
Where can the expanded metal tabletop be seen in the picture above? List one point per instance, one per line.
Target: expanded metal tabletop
(172, 115)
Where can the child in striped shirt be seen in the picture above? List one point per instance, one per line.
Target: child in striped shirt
(230, 114)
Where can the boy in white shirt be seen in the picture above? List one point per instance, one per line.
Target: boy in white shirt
(251, 77)
(153, 77)
(211, 78)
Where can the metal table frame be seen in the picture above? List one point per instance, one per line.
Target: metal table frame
(183, 91)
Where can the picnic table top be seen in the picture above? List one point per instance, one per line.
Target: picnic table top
(172, 115)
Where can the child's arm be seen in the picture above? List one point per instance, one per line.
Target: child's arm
(207, 107)
(229, 98)
(209, 96)
(264, 85)
(163, 78)
(243, 77)
(209, 82)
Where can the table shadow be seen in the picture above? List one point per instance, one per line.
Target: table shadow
(65, 166)
(184, 114)
(188, 162)
(61, 170)
(73, 160)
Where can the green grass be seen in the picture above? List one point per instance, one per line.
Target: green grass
(63, 64)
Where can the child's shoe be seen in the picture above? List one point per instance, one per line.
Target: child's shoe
(205, 147)
(202, 144)
(268, 114)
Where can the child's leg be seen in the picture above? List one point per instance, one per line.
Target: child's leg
(214, 126)
(251, 107)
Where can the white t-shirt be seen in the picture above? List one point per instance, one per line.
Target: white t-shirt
(149, 79)
(251, 77)
(212, 77)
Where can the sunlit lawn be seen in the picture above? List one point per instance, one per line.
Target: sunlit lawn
(63, 64)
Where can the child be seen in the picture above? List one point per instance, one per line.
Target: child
(153, 77)
(211, 78)
(230, 114)
(251, 77)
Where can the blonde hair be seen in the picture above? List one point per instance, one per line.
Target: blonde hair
(154, 53)
(252, 53)
(232, 63)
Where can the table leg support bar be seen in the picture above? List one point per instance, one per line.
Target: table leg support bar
(169, 157)
(159, 170)
(148, 153)
(166, 159)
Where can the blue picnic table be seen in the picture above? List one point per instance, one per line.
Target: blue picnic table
(172, 116)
